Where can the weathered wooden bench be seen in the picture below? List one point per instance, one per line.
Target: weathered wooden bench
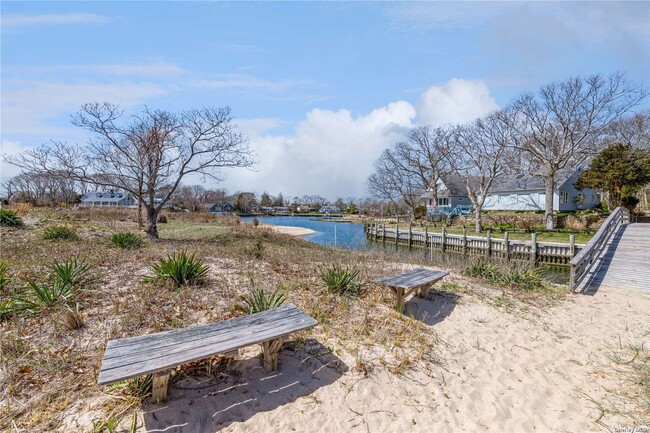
(404, 284)
(159, 353)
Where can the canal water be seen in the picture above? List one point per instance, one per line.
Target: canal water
(352, 237)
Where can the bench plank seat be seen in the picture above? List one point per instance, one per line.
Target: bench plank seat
(131, 357)
(416, 279)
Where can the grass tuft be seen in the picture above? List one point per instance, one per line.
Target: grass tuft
(10, 218)
(528, 280)
(60, 233)
(74, 271)
(127, 240)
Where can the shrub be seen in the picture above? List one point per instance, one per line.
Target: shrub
(127, 240)
(341, 280)
(162, 219)
(10, 218)
(74, 271)
(45, 294)
(65, 233)
(528, 280)
(179, 269)
(258, 300)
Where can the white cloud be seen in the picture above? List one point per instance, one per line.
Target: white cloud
(457, 101)
(26, 105)
(13, 21)
(246, 82)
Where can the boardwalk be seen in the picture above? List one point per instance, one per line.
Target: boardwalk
(624, 263)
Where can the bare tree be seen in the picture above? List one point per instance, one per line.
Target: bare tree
(153, 149)
(633, 130)
(560, 124)
(391, 181)
(479, 153)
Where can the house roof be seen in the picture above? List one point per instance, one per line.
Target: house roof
(529, 182)
(104, 196)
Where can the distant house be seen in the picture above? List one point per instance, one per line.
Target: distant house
(281, 210)
(221, 208)
(329, 209)
(521, 191)
(303, 208)
(267, 210)
(107, 199)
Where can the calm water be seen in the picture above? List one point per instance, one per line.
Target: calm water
(351, 236)
(342, 235)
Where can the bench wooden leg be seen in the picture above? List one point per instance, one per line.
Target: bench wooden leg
(399, 291)
(271, 349)
(422, 291)
(160, 381)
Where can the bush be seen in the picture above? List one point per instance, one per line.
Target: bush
(65, 233)
(341, 280)
(10, 218)
(258, 300)
(179, 269)
(528, 280)
(630, 202)
(127, 240)
(74, 272)
(45, 294)
(162, 219)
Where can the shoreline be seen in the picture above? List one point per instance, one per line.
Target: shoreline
(289, 230)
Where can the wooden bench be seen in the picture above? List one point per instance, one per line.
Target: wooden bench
(159, 353)
(404, 284)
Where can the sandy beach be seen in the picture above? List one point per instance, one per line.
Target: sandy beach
(498, 367)
(289, 230)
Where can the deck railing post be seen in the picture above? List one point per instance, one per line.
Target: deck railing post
(506, 245)
(464, 240)
(410, 239)
(444, 238)
(533, 248)
(383, 235)
(572, 246)
(426, 237)
(489, 242)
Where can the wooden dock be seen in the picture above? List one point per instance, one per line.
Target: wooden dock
(624, 262)
(504, 248)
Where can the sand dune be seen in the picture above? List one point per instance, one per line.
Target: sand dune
(499, 369)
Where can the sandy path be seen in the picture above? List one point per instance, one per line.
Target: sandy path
(501, 370)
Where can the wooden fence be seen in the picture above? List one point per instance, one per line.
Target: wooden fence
(505, 248)
(581, 263)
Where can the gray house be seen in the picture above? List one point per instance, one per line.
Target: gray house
(107, 199)
(521, 191)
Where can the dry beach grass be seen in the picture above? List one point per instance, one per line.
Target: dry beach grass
(472, 357)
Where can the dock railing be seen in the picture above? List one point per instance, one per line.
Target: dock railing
(582, 262)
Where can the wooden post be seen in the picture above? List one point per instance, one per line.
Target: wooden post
(410, 240)
(572, 246)
(533, 248)
(489, 242)
(383, 235)
(376, 230)
(399, 291)
(396, 235)
(506, 245)
(426, 238)
(464, 240)
(159, 388)
(444, 238)
(270, 354)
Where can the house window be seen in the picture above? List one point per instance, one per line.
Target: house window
(443, 201)
(564, 197)
(460, 199)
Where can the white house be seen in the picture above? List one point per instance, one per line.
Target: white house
(107, 199)
(330, 209)
(521, 191)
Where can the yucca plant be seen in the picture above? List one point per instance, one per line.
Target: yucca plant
(179, 269)
(127, 240)
(10, 218)
(5, 277)
(45, 294)
(258, 300)
(74, 271)
(63, 232)
(341, 280)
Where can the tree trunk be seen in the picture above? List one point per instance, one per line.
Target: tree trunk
(140, 222)
(478, 219)
(152, 222)
(550, 195)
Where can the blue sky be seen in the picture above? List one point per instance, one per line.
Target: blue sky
(319, 88)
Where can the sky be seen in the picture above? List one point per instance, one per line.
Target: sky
(319, 89)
